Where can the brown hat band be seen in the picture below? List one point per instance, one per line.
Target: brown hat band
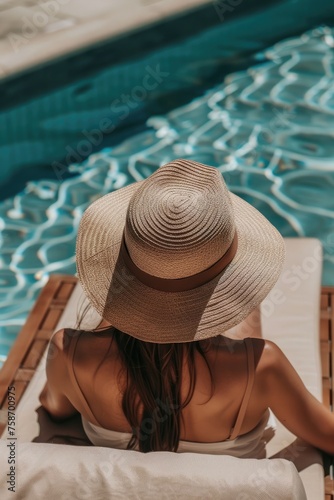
(180, 284)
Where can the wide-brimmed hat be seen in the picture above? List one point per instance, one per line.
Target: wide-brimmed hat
(176, 257)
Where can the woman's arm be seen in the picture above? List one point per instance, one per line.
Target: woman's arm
(293, 404)
(53, 397)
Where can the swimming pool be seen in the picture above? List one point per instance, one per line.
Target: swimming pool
(269, 129)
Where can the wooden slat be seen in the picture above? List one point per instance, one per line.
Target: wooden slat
(51, 318)
(325, 359)
(65, 291)
(34, 354)
(324, 300)
(24, 374)
(326, 392)
(324, 329)
(324, 316)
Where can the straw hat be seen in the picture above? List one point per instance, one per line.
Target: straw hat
(176, 257)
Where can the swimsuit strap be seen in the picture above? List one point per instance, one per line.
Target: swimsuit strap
(71, 351)
(251, 375)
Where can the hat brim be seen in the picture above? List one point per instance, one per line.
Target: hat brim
(167, 317)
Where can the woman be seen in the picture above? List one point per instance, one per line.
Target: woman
(172, 264)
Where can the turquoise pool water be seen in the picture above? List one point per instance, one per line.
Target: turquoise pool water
(269, 130)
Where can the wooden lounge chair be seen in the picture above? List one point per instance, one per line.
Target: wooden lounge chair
(290, 317)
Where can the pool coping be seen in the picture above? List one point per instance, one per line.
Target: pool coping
(23, 49)
(33, 339)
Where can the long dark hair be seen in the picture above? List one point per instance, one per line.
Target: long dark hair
(153, 378)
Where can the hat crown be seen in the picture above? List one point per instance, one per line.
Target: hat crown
(180, 221)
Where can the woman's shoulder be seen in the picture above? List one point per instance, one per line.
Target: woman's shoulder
(82, 351)
(62, 339)
(267, 355)
(271, 364)
(65, 342)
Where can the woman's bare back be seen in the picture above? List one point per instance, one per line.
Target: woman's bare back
(97, 367)
(276, 385)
